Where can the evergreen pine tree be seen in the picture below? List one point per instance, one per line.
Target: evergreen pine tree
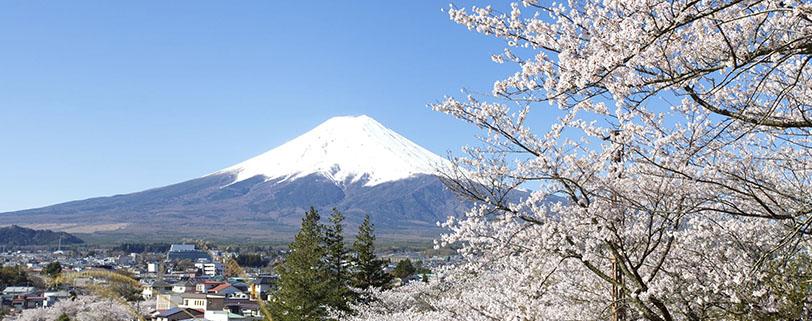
(336, 259)
(53, 269)
(303, 285)
(369, 270)
(404, 269)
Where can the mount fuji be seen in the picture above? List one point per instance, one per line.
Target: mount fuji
(345, 150)
(351, 163)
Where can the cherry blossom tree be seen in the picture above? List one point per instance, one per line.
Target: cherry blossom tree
(85, 308)
(674, 183)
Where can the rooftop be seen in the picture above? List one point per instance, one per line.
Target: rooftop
(182, 247)
(186, 311)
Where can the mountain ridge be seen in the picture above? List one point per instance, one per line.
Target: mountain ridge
(15, 235)
(352, 163)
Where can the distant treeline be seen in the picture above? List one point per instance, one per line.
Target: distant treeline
(251, 260)
(143, 247)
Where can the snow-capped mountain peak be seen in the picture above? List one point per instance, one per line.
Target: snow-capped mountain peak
(345, 149)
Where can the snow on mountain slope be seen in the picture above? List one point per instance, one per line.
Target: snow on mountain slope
(344, 149)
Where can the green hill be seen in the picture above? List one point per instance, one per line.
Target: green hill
(20, 236)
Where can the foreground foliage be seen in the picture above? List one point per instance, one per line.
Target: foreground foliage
(86, 308)
(674, 179)
(303, 277)
(118, 288)
(320, 278)
(368, 269)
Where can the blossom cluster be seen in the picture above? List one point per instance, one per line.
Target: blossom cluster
(84, 308)
(674, 184)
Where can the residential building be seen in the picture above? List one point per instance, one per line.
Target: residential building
(186, 252)
(27, 301)
(222, 316)
(52, 298)
(167, 301)
(225, 289)
(202, 301)
(177, 314)
(210, 268)
(18, 290)
(205, 286)
(183, 287)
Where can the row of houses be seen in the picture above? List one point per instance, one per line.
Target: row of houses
(184, 283)
(206, 299)
(200, 291)
(28, 297)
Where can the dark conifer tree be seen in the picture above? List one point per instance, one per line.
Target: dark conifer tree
(336, 259)
(303, 278)
(404, 269)
(53, 269)
(368, 269)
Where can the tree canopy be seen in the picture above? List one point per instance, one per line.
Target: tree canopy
(404, 269)
(251, 260)
(13, 276)
(669, 145)
(368, 268)
(303, 277)
(53, 269)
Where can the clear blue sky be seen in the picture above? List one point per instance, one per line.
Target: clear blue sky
(100, 98)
